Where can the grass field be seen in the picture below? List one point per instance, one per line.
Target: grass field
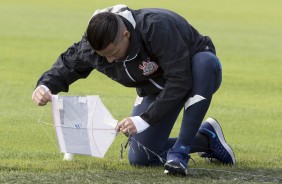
(248, 38)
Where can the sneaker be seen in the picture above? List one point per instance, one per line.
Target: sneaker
(177, 160)
(220, 150)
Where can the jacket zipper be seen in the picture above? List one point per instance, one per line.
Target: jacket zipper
(127, 72)
(156, 84)
(124, 66)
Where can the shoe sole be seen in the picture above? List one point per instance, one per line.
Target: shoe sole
(216, 126)
(174, 170)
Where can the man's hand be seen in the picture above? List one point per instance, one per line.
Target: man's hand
(126, 126)
(41, 95)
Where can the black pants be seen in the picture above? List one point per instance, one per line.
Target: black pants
(207, 76)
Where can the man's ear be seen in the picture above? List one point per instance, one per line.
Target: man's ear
(127, 34)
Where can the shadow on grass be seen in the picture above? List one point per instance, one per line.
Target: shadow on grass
(122, 173)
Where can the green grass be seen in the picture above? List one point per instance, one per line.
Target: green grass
(247, 35)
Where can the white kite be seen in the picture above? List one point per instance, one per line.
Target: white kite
(83, 125)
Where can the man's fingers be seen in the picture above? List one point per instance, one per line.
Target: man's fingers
(37, 100)
(41, 97)
(119, 125)
(126, 130)
(45, 94)
(126, 126)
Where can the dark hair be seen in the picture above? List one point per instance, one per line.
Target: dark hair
(102, 30)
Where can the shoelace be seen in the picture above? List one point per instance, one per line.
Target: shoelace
(193, 160)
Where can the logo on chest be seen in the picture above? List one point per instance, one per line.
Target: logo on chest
(148, 67)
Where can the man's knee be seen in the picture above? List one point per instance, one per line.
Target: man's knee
(143, 158)
(138, 158)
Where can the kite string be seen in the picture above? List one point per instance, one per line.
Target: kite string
(40, 118)
(204, 169)
(151, 151)
(147, 150)
(41, 125)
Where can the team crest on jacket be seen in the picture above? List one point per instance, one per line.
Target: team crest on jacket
(148, 67)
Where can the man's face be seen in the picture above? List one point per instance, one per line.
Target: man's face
(117, 51)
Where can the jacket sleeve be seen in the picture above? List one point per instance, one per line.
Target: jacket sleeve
(75, 63)
(167, 44)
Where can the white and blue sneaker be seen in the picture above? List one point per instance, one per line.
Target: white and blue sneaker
(220, 150)
(177, 160)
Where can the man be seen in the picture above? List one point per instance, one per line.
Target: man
(170, 64)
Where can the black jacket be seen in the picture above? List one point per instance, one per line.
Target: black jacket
(161, 47)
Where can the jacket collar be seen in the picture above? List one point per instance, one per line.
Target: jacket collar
(134, 45)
